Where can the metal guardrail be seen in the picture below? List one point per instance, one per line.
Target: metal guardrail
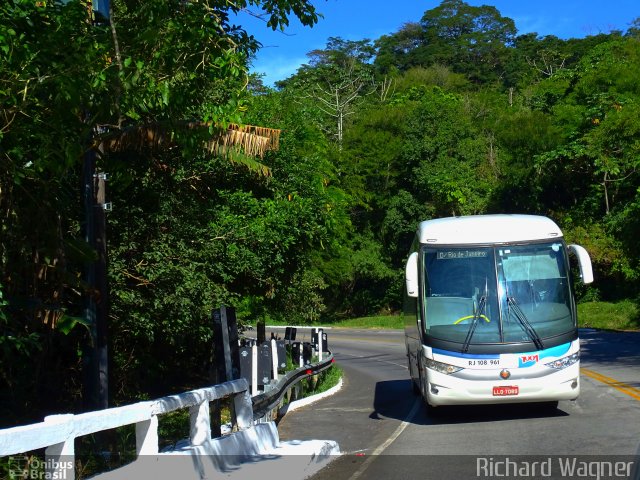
(58, 432)
(269, 400)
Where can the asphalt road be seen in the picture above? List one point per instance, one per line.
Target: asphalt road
(385, 431)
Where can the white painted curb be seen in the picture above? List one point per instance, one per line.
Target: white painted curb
(303, 402)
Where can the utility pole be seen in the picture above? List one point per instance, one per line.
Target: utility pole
(96, 303)
(102, 286)
(89, 361)
(96, 309)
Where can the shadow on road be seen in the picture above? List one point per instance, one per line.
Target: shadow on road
(395, 399)
(621, 348)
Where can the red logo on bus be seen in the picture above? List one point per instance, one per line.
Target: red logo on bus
(529, 358)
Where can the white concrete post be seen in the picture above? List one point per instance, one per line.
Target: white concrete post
(59, 458)
(147, 436)
(254, 370)
(244, 410)
(199, 423)
(274, 359)
(301, 350)
(320, 332)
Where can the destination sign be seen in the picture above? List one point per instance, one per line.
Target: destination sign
(456, 254)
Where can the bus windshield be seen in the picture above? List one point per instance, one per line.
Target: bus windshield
(497, 295)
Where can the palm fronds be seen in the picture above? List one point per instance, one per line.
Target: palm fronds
(239, 143)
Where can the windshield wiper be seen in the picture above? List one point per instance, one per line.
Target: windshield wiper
(474, 323)
(522, 318)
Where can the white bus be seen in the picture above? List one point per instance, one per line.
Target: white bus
(490, 315)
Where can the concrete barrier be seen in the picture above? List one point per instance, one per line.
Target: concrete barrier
(253, 453)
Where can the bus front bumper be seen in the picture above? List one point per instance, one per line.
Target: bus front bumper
(444, 389)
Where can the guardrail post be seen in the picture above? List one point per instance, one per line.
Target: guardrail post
(226, 357)
(147, 436)
(60, 458)
(200, 423)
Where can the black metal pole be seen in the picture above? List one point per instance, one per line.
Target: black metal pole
(90, 374)
(102, 287)
(96, 302)
(96, 305)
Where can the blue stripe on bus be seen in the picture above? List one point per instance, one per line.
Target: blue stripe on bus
(463, 355)
(531, 358)
(557, 351)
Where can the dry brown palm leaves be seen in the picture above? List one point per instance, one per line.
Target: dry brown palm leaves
(239, 143)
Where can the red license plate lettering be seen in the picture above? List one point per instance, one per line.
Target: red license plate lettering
(505, 391)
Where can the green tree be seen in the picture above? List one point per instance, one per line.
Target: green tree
(471, 40)
(336, 80)
(452, 164)
(399, 51)
(152, 88)
(591, 175)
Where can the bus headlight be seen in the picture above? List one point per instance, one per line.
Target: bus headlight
(564, 362)
(442, 367)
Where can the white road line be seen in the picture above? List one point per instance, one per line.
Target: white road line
(381, 448)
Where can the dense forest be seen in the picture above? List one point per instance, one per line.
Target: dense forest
(456, 113)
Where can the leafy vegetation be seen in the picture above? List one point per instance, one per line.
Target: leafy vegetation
(306, 218)
(622, 315)
(325, 380)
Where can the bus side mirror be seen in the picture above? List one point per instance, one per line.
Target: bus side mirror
(411, 275)
(586, 271)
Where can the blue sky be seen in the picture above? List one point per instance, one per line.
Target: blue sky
(283, 53)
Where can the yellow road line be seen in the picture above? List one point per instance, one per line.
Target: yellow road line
(620, 386)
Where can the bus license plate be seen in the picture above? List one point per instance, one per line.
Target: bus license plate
(505, 391)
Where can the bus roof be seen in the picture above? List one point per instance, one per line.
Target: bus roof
(487, 229)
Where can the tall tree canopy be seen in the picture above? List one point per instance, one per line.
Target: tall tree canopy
(308, 216)
(470, 40)
(151, 91)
